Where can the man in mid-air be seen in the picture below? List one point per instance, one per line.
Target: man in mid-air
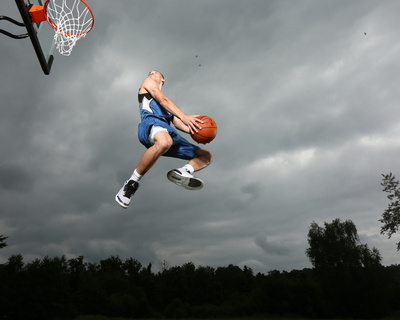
(155, 132)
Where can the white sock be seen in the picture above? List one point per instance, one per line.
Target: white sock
(188, 168)
(136, 176)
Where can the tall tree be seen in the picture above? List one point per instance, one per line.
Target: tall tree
(391, 216)
(337, 245)
(2, 241)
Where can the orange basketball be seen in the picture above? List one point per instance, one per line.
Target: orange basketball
(208, 130)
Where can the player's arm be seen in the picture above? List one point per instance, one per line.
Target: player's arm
(191, 122)
(180, 125)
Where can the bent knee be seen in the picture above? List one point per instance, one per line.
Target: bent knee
(163, 143)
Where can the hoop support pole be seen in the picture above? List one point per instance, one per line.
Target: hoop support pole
(20, 24)
(11, 35)
(14, 36)
(32, 34)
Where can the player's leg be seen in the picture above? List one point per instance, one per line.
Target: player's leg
(202, 159)
(198, 159)
(162, 142)
(184, 176)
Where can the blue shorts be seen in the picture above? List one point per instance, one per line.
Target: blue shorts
(181, 148)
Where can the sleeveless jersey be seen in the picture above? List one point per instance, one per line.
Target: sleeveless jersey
(153, 114)
(149, 107)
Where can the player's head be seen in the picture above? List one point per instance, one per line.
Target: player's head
(158, 73)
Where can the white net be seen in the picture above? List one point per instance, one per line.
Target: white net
(71, 20)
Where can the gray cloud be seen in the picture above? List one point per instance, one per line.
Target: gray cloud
(307, 112)
(270, 247)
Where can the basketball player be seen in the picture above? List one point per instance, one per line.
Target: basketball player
(155, 132)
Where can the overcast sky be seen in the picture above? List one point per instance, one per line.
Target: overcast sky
(306, 97)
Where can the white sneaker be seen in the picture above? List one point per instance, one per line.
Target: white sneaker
(185, 179)
(124, 195)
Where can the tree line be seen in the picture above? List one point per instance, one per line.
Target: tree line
(347, 280)
(60, 288)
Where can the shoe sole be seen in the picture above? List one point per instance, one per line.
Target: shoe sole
(119, 201)
(187, 183)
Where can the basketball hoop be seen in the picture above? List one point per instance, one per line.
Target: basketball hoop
(70, 19)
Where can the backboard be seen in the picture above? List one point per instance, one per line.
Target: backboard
(41, 34)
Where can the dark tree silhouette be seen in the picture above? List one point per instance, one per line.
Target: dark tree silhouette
(57, 288)
(3, 241)
(337, 245)
(391, 216)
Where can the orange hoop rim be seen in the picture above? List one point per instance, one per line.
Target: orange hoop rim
(56, 28)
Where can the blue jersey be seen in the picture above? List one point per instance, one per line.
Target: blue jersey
(152, 114)
(149, 107)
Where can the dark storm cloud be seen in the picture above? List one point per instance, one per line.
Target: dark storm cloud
(15, 178)
(270, 248)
